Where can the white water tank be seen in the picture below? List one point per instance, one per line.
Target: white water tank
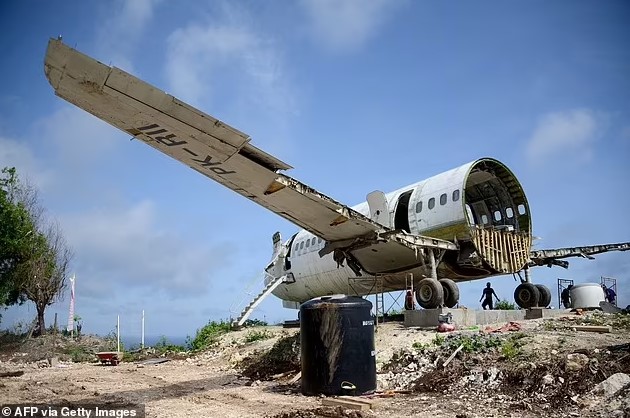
(586, 295)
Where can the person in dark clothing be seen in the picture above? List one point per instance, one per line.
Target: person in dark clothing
(565, 296)
(609, 294)
(487, 294)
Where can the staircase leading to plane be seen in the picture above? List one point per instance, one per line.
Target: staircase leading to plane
(249, 308)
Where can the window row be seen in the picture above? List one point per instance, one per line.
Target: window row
(443, 200)
(308, 244)
(509, 214)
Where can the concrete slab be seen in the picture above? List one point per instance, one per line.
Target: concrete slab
(537, 313)
(470, 317)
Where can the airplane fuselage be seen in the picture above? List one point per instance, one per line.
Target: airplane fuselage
(479, 206)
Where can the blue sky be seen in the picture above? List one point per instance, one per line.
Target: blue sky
(357, 95)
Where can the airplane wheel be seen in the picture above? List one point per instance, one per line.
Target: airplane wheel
(545, 295)
(429, 293)
(526, 295)
(451, 292)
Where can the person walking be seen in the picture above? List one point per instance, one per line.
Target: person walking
(486, 296)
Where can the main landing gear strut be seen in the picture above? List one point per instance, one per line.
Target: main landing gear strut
(529, 295)
(432, 293)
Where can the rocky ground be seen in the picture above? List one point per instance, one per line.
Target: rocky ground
(545, 368)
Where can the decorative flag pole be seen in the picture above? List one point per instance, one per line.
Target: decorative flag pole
(70, 327)
(142, 343)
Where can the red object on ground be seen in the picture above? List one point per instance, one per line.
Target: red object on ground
(443, 327)
(510, 326)
(110, 357)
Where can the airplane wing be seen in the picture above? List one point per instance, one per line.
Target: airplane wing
(555, 256)
(208, 146)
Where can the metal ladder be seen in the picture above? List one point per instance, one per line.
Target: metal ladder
(247, 311)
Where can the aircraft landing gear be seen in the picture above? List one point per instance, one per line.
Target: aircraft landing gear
(429, 293)
(545, 295)
(451, 292)
(433, 293)
(528, 295)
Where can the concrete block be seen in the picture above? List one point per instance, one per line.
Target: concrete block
(429, 317)
(469, 317)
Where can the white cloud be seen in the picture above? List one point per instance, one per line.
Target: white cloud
(347, 24)
(125, 248)
(18, 154)
(75, 137)
(196, 53)
(118, 35)
(565, 134)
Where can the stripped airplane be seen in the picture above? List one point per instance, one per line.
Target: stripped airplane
(468, 223)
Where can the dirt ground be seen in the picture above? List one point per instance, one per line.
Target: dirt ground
(210, 384)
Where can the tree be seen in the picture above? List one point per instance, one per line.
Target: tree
(16, 227)
(42, 278)
(34, 263)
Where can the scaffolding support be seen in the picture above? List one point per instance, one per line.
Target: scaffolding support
(562, 284)
(610, 283)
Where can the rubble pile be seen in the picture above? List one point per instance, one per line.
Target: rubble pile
(404, 369)
(497, 368)
(324, 412)
(283, 357)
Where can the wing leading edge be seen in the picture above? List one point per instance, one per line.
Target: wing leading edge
(198, 140)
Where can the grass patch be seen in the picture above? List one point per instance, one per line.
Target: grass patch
(504, 305)
(208, 336)
(257, 335)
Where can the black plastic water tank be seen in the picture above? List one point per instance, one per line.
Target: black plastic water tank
(337, 346)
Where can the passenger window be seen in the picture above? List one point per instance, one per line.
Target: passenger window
(521, 209)
(431, 203)
(419, 207)
(301, 245)
(319, 240)
(308, 242)
(484, 219)
(313, 241)
(497, 215)
(509, 212)
(443, 199)
(455, 195)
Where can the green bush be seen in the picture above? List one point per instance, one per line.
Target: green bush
(79, 354)
(208, 335)
(504, 305)
(256, 335)
(255, 323)
(165, 346)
